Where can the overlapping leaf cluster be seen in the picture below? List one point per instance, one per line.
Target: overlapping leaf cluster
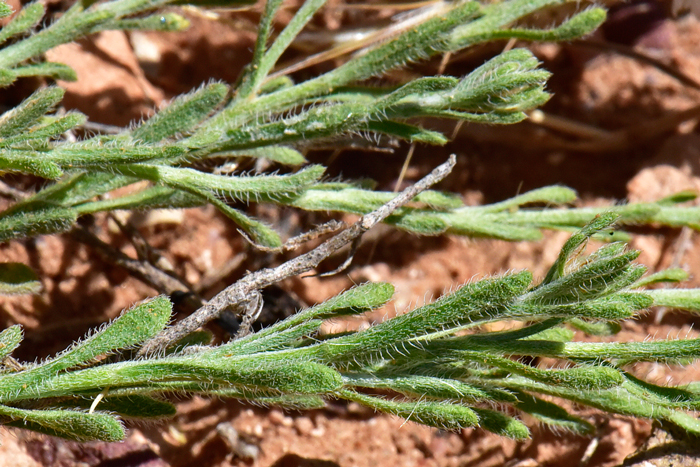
(433, 365)
(275, 119)
(428, 365)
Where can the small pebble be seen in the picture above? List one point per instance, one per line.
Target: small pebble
(304, 425)
(318, 432)
(278, 418)
(355, 408)
(239, 447)
(275, 417)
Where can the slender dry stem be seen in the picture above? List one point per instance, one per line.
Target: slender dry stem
(240, 293)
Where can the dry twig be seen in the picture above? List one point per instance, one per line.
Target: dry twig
(241, 293)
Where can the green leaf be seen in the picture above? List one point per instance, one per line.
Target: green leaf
(551, 414)
(667, 275)
(680, 197)
(365, 297)
(293, 402)
(439, 415)
(280, 154)
(501, 424)
(27, 18)
(473, 302)
(90, 155)
(7, 77)
(440, 200)
(416, 43)
(657, 351)
(265, 59)
(57, 71)
(597, 277)
(5, 10)
(671, 397)
(65, 29)
(423, 387)
(40, 222)
(78, 426)
(208, 370)
(584, 377)
(577, 26)
(131, 406)
(473, 225)
(551, 195)
(620, 400)
(410, 133)
(166, 22)
(602, 328)
(496, 16)
(10, 339)
(17, 278)
(50, 129)
(155, 197)
(572, 246)
(268, 341)
(286, 376)
(29, 111)
(131, 328)
(242, 188)
(21, 162)
(681, 299)
(501, 84)
(182, 115)
(260, 233)
(357, 300)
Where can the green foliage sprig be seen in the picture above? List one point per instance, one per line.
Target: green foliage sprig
(252, 120)
(213, 122)
(440, 366)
